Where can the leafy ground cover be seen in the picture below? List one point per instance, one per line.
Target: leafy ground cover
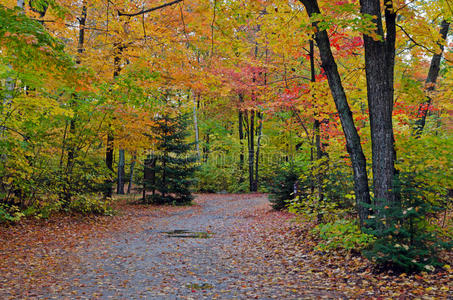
(248, 251)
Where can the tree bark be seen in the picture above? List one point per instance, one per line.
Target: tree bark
(316, 132)
(195, 123)
(110, 137)
(379, 68)
(433, 73)
(353, 145)
(121, 173)
(109, 162)
(251, 146)
(241, 140)
(131, 173)
(257, 155)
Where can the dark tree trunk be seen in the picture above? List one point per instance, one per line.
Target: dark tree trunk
(109, 162)
(316, 142)
(251, 146)
(148, 175)
(121, 173)
(195, 123)
(433, 73)
(131, 173)
(153, 174)
(206, 148)
(353, 145)
(121, 163)
(257, 155)
(164, 174)
(379, 67)
(241, 140)
(71, 150)
(110, 138)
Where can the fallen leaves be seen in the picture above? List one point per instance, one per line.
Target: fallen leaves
(253, 253)
(289, 244)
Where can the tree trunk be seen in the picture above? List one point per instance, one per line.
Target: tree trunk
(153, 174)
(121, 173)
(241, 140)
(353, 145)
(110, 137)
(251, 146)
(433, 73)
(258, 146)
(195, 123)
(316, 142)
(131, 173)
(206, 147)
(146, 176)
(379, 67)
(109, 162)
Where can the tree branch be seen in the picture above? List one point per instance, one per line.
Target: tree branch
(416, 43)
(26, 138)
(144, 11)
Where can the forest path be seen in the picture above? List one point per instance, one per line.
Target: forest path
(221, 256)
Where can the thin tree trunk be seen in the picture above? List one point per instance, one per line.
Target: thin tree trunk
(164, 164)
(430, 83)
(195, 123)
(131, 173)
(63, 145)
(353, 144)
(241, 140)
(206, 147)
(251, 146)
(110, 137)
(316, 142)
(109, 162)
(145, 178)
(121, 173)
(153, 174)
(257, 155)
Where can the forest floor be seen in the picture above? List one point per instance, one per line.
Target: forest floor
(222, 247)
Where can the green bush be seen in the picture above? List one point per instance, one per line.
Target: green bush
(324, 191)
(281, 187)
(10, 213)
(43, 209)
(211, 178)
(342, 234)
(91, 204)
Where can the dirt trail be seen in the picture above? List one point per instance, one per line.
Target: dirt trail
(205, 251)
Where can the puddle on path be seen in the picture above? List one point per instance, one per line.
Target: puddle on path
(200, 286)
(182, 233)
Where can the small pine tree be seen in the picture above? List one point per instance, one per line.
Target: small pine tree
(169, 171)
(404, 239)
(281, 187)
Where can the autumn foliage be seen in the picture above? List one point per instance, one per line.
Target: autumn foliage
(282, 97)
